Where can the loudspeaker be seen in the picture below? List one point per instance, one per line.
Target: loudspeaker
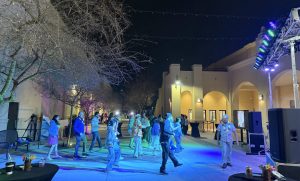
(289, 170)
(284, 129)
(257, 143)
(254, 123)
(13, 112)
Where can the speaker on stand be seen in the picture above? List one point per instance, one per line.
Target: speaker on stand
(256, 138)
(13, 113)
(284, 129)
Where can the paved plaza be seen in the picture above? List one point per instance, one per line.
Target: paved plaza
(201, 160)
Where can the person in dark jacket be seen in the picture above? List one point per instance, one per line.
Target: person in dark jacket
(166, 133)
(79, 134)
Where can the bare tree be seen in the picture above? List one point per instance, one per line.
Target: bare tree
(33, 41)
(140, 93)
(101, 25)
(39, 37)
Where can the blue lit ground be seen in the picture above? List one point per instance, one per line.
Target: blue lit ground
(201, 159)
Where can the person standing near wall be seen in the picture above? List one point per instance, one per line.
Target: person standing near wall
(53, 137)
(95, 131)
(225, 129)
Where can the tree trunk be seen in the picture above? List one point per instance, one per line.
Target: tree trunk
(8, 80)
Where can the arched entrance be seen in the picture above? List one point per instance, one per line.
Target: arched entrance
(283, 95)
(186, 104)
(246, 97)
(215, 104)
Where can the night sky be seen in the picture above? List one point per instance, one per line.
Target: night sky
(198, 31)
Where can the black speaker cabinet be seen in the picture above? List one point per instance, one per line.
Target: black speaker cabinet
(254, 123)
(13, 112)
(257, 143)
(284, 129)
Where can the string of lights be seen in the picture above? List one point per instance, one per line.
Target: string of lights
(169, 13)
(200, 38)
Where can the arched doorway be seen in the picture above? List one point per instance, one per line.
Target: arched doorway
(186, 104)
(283, 94)
(215, 104)
(246, 97)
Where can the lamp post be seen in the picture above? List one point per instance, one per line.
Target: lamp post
(291, 41)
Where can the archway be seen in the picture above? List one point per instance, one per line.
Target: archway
(186, 103)
(215, 104)
(246, 97)
(283, 95)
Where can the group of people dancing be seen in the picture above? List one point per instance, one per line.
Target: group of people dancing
(143, 128)
(162, 135)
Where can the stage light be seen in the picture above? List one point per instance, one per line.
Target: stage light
(272, 25)
(267, 37)
(117, 112)
(272, 70)
(265, 43)
(276, 65)
(131, 113)
(267, 69)
(262, 50)
(271, 33)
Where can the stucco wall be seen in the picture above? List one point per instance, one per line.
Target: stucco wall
(215, 81)
(3, 116)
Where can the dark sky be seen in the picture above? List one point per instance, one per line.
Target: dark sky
(210, 29)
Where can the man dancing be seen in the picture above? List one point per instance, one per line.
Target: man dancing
(167, 131)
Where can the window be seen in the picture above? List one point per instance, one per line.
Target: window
(221, 113)
(212, 115)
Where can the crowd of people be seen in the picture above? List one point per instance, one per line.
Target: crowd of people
(162, 135)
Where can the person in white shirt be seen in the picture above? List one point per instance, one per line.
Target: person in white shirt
(225, 129)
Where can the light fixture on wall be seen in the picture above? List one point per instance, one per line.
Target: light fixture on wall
(177, 83)
(199, 100)
(260, 97)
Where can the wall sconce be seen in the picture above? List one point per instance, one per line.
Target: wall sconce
(260, 97)
(177, 83)
(199, 100)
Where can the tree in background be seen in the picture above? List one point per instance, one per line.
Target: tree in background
(33, 41)
(42, 37)
(141, 93)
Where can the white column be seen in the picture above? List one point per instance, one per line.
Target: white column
(294, 72)
(270, 91)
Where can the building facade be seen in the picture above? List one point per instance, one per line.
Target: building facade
(227, 85)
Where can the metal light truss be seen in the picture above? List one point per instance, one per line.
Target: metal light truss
(280, 47)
